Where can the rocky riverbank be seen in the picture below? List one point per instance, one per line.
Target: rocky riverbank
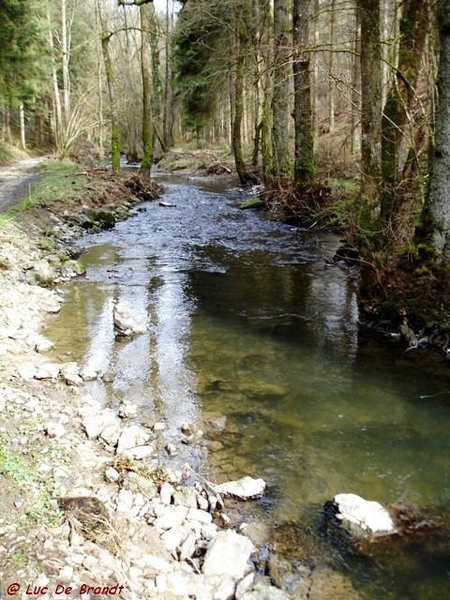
(87, 511)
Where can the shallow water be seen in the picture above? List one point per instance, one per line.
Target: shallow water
(247, 318)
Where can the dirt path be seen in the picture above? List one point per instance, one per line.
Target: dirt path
(16, 180)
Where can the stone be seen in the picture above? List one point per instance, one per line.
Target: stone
(185, 496)
(26, 371)
(166, 492)
(174, 537)
(42, 344)
(139, 452)
(94, 424)
(125, 501)
(47, 371)
(159, 426)
(244, 488)
(127, 410)
(125, 323)
(111, 475)
(369, 515)
(70, 372)
(138, 483)
(195, 514)
(187, 548)
(132, 436)
(111, 434)
(54, 430)
(171, 449)
(245, 585)
(221, 588)
(150, 561)
(88, 373)
(262, 591)
(228, 554)
(169, 516)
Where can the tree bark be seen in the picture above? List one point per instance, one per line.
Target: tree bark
(303, 124)
(147, 129)
(109, 72)
(356, 84)
(371, 97)
(281, 161)
(439, 190)
(331, 77)
(397, 111)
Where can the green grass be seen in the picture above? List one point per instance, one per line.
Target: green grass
(40, 504)
(56, 184)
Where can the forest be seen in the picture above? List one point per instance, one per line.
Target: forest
(339, 109)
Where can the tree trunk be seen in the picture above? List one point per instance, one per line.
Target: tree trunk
(303, 125)
(439, 190)
(23, 143)
(397, 111)
(65, 49)
(109, 72)
(331, 77)
(356, 84)
(167, 97)
(281, 162)
(147, 129)
(241, 168)
(371, 91)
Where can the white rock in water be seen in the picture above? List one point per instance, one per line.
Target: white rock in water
(244, 488)
(125, 323)
(367, 514)
(228, 554)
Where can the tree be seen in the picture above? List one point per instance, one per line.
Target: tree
(147, 125)
(371, 108)
(398, 120)
(303, 123)
(439, 188)
(281, 159)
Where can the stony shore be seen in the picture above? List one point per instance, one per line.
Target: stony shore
(85, 511)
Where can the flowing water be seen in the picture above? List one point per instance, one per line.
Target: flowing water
(248, 318)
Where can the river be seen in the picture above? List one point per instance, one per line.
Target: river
(250, 319)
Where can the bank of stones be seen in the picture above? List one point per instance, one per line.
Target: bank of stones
(87, 503)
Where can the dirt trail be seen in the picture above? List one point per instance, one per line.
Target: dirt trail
(16, 180)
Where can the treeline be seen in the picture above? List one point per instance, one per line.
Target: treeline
(301, 91)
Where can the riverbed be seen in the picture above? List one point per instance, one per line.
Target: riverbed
(250, 319)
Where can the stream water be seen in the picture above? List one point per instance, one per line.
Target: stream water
(248, 318)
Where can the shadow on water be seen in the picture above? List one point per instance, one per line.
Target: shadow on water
(246, 320)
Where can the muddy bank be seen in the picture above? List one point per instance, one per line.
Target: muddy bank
(88, 506)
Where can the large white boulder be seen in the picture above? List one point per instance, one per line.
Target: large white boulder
(366, 514)
(228, 555)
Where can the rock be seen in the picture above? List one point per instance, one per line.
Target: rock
(111, 434)
(125, 501)
(42, 273)
(171, 449)
(88, 373)
(168, 517)
(174, 537)
(127, 410)
(26, 371)
(367, 515)
(139, 452)
(51, 306)
(94, 424)
(54, 430)
(111, 475)
(166, 493)
(263, 591)
(244, 488)
(70, 372)
(42, 344)
(187, 548)
(221, 588)
(228, 554)
(125, 323)
(132, 436)
(47, 371)
(245, 585)
(159, 426)
(196, 514)
(137, 483)
(185, 496)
